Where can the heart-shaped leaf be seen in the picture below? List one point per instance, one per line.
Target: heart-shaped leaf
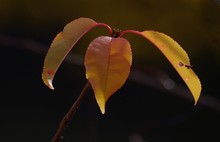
(62, 44)
(107, 61)
(178, 58)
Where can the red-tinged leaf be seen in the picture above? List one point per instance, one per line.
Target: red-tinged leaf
(62, 44)
(178, 58)
(107, 61)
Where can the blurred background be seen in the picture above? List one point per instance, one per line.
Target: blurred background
(154, 105)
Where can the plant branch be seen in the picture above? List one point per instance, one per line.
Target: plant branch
(67, 118)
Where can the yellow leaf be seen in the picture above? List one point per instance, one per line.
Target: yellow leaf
(107, 61)
(62, 44)
(178, 58)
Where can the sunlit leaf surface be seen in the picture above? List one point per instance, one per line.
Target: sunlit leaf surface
(107, 61)
(178, 58)
(62, 44)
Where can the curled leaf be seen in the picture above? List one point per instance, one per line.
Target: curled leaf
(62, 44)
(107, 61)
(178, 58)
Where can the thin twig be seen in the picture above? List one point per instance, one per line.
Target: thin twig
(67, 118)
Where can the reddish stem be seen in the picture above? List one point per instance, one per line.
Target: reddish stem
(130, 31)
(67, 118)
(106, 26)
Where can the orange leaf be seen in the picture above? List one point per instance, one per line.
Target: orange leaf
(62, 44)
(178, 58)
(107, 61)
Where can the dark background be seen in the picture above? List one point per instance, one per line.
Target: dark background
(143, 110)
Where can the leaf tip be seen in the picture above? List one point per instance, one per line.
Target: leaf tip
(196, 89)
(101, 106)
(102, 110)
(47, 77)
(49, 84)
(195, 101)
(101, 102)
(196, 97)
